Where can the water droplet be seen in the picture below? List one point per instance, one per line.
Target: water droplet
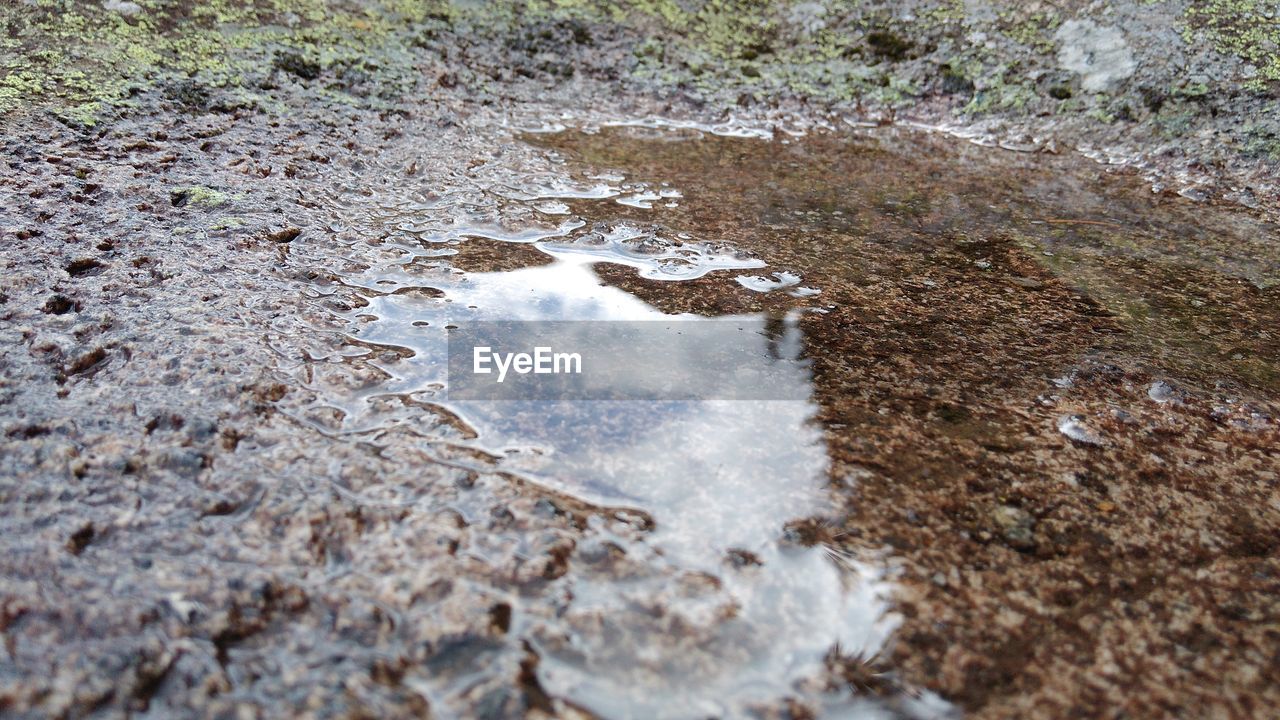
(1074, 427)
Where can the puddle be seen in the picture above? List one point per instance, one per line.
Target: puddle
(928, 292)
(715, 600)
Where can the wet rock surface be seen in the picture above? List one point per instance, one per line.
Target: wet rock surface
(1034, 558)
(230, 486)
(1185, 90)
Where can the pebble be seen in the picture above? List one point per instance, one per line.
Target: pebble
(1015, 525)
(1162, 392)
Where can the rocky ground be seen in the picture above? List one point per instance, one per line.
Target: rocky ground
(1188, 89)
(187, 186)
(1075, 536)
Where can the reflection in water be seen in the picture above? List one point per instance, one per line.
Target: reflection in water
(718, 607)
(971, 329)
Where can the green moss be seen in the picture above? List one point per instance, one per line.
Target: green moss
(996, 93)
(1247, 29)
(1175, 120)
(732, 30)
(84, 59)
(1034, 31)
(198, 196)
(85, 62)
(1101, 115)
(1190, 90)
(229, 222)
(84, 115)
(1262, 142)
(943, 13)
(219, 50)
(895, 92)
(19, 84)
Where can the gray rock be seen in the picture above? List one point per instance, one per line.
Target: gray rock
(183, 461)
(1097, 53)
(1162, 392)
(128, 9)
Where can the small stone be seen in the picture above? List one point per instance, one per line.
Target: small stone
(1015, 526)
(200, 429)
(1123, 416)
(81, 538)
(84, 266)
(183, 461)
(1162, 392)
(296, 64)
(288, 234)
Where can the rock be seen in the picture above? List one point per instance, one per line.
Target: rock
(1099, 54)
(201, 429)
(286, 235)
(58, 305)
(86, 362)
(83, 266)
(297, 65)
(81, 538)
(1162, 392)
(1015, 526)
(183, 461)
(128, 9)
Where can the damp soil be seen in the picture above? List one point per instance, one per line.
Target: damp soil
(1035, 473)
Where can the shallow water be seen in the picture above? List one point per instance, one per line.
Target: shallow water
(717, 602)
(922, 289)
